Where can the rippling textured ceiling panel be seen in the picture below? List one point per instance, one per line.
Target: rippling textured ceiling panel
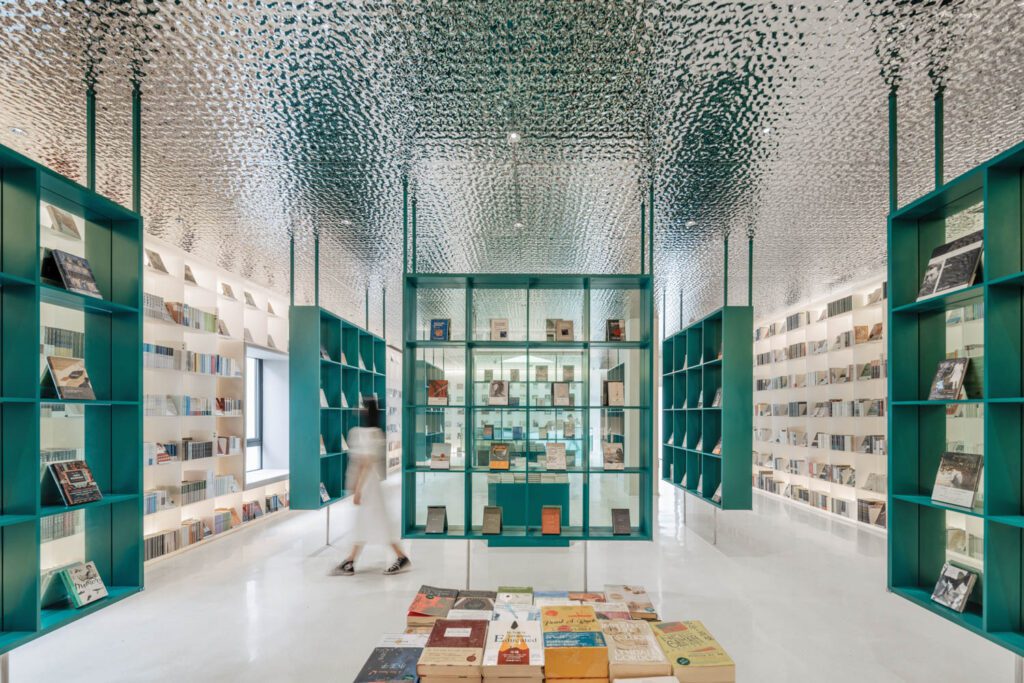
(266, 118)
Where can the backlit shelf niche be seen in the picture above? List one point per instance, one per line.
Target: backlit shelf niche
(820, 406)
(198, 323)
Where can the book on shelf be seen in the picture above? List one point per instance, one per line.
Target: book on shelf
(68, 379)
(861, 334)
(437, 392)
(569, 429)
(487, 432)
(83, 583)
(344, 442)
(271, 344)
(475, 600)
(189, 276)
(956, 482)
(876, 332)
(63, 223)
(560, 394)
(249, 300)
(441, 456)
(615, 330)
(154, 261)
(497, 393)
(633, 651)
(695, 656)
(953, 266)
(439, 329)
(454, 649)
(564, 331)
(621, 524)
(499, 329)
(716, 402)
(323, 399)
(717, 495)
(247, 335)
(574, 646)
(75, 482)
(717, 449)
(954, 587)
(70, 271)
(949, 379)
(640, 605)
(568, 373)
(323, 446)
(222, 328)
(499, 456)
(437, 519)
(513, 375)
(488, 375)
(492, 520)
(270, 309)
(226, 291)
(613, 455)
(613, 393)
(429, 605)
(551, 520)
(700, 398)
(514, 649)
(514, 595)
(324, 495)
(554, 458)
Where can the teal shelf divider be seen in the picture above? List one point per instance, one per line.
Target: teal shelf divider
(918, 427)
(111, 328)
(711, 354)
(526, 301)
(356, 368)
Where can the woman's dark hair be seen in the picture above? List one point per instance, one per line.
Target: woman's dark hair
(371, 414)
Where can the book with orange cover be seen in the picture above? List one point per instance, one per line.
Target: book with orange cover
(429, 605)
(551, 520)
(574, 646)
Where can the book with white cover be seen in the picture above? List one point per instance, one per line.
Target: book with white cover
(403, 640)
(956, 482)
(514, 648)
(499, 329)
(512, 610)
(480, 614)
(633, 649)
(441, 456)
(555, 456)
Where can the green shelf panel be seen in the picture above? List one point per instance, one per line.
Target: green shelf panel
(991, 197)
(459, 297)
(111, 239)
(351, 348)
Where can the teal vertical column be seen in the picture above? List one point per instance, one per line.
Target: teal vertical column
(939, 135)
(893, 170)
(405, 225)
(643, 229)
(725, 272)
(316, 268)
(750, 269)
(90, 136)
(414, 234)
(291, 267)
(136, 146)
(650, 231)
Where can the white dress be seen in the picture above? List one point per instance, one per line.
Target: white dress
(367, 447)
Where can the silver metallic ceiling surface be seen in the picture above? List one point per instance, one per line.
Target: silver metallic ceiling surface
(263, 117)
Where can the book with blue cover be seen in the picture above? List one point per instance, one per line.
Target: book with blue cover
(439, 329)
(574, 639)
(390, 664)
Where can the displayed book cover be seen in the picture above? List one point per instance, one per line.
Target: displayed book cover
(475, 600)
(222, 328)
(437, 392)
(226, 291)
(155, 261)
(437, 519)
(75, 482)
(515, 644)
(640, 605)
(497, 393)
(609, 610)
(499, 456)
(410, 640)
(509, 610)
(270, 342)
(439, 329)
(499, 329)
(613, 393)
(249, 300)
(569, 429)
(633, 650)
(876, 332)
(614, 458)
(513, 375)
(515, 595)
(949, 379)
(582, 597)
(270, 309)
(492, 520)
(549, 329)
(488, 375)
(616, 330)
(387, 664)
(478, 614)
(323, 446)
(954, 587)
(83, 583)
(953, 266)
(454, 648)
(564, 331)
(323, 399)
(324, 496)
(62, 222)
(717, 449)
(687, 646)
(574, 646)
(717, 401)
(568, 373)
(554, 458)
(69, 378)
(517, 433)
(621, 525)
(73, 272)
(560, 394)
(551, 520)
(488, 431)
(247, 335)
(956, 482)
(541, 373)
(861, 334)
(717, 496)
(432, 603)
(441, 456)
(190, 277)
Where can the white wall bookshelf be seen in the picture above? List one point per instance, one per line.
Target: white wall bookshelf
(820, 405)
(194, 386)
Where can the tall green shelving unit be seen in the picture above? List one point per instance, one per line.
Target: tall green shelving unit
(712, 353)
(988, 197)
(356, 368)
(469, 360)
(107, 431)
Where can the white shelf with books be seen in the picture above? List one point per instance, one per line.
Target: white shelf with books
(820, 405)
(198, 325)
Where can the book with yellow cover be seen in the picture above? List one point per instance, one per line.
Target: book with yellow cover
(695, 656)
(574, 646)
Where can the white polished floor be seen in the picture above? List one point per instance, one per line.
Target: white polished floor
(792, 595)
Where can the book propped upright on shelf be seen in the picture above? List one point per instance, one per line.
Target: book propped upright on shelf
(323, 446)
(717, 496)
(437, 519)
(70, 271)
(551, 520)
(441, 456)
(554, 458)
(190, 277)
(613, 456)
(437, 392)
(568, 373)
(74, 482)
(63, 223)
(227, 292)
(695, 656)
(615, 330)
(613, 393)
(499, 456)
(323, 399)
(954, 587)
(560, 394)
(324, 496)
(949, 379)
(499, 329)
(67, 379)
(222, 328)
(154, 261)
(492, 520)
(83, 583)
(249, 300)
(270, 309)
(564, 331)
(439, 329)
(956, 482)
(621, 524)
(497, 393)
(953, 266)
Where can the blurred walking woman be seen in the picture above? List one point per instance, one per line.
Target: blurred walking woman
(366, 452)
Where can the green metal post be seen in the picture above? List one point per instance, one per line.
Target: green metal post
(384, 316)
(291, 267)
(643, 229)
(405, 225)
(366, 315)
(316, 268)
(725, 273)
(750, 270)
(939, 134)
(136, 146)
(650, 219)
(414, 234)
(893, 200)
(90, 137)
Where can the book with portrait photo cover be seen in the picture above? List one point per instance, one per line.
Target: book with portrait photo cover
(70, 379)
(437, 392)
(956, 481)
(72, 272)
(949, 379)
(954, 587)
(75, 482)
(953, 266)
(497, 394)
(63, 223)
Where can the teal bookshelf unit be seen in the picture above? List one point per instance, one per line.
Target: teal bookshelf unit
(38, 533)
(354, 369)
(711, 355)
(526, 421)
(989, 198)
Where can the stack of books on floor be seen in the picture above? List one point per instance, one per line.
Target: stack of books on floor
(513, 635)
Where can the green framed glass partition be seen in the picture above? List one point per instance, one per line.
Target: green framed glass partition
(544, 341)
(333, 366)
(924, 534)
(707, 408)
(42, 211)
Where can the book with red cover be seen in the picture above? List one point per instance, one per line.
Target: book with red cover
(75, 482)
(458, 633)
(430, 603)
(455, 649)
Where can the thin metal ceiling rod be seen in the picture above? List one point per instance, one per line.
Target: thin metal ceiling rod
(750, 268)
(650, 218)
(136, 146)
(939, 135)
(405, 224)
(725, 273)
(643, 227)
(90, 134)
(316, 268)
(893, 200)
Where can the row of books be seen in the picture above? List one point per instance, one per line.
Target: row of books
(870, 444)
(865, 407)
(168, 405)
(57, 341)
(55, 527)
(169, 358)
(840, 306)
(551, 515)
(845, 474)
(159, 453)
(860, 372)
(868, 511)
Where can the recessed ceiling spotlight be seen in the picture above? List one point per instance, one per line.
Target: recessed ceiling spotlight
(346, 222)
(766, 130)
(514, 137)
(517, 225)
(690, 224)
(18, 131)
